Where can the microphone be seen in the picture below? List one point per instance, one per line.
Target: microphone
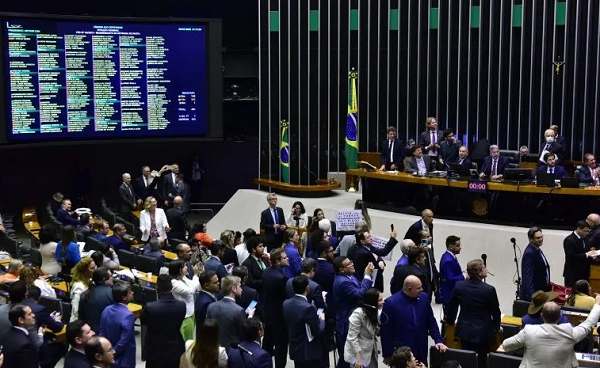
(234, 345)
(297, 218)
(513, 240)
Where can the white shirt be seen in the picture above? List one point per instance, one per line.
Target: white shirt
(50, 265)
(242, 252)
(185, 289)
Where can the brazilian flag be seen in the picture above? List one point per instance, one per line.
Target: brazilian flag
(284, 152)
(351, 125)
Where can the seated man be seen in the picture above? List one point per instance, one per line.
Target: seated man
(590, 172)
(152, 250)
(116, 240)
(64, 215)
(538, 299)
(419, 163)
(101, 229)
(494, 164)
(463, 157)
(551, 167)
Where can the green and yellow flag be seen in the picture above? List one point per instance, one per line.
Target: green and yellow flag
(284, 152)
(351, 125)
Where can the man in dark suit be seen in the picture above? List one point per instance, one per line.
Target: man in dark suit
(479, 315)
(316, 291)
(450, 271)
(272, 221)
(534, 266)
(431, 138)
(78, 333)
(116, 324)
(116, 239)
(590, 172)
(94, 300)
(593, 238)
(347, 292)
(551, 168)
(214, 262)
(255, 263)
(64, 215)
(168, 184)
(273, 296)
(463, 157)
(304, 326)
(146, 185)
(248, 353)
(578, 256)
(128, 196)
(414, 233)
(177, 220)
(19, 349)
(552, 146)
(560, 140)
(494, 164)
(392, 152)
(449, 148)
(180, 189)
(163, 318)
(324, 273)
(228, 313)
(365, 254)
(209, 287)
(419, 163)
(248, 294)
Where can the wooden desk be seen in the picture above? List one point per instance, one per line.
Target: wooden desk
(30, 221)
(322, 188)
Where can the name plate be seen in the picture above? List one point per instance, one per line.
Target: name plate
(477, 186)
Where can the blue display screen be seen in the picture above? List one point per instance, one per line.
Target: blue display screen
(72, 79)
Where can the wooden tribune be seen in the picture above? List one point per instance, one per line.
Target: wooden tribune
(322, 188)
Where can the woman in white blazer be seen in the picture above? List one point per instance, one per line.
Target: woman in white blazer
(361, 343)
(153, 221)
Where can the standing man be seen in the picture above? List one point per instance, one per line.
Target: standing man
(169, 183)
(551, 146)
(414, 233)
(255, 263)
(209, 287)
(248, 294)
(147, 183)
(184, 254)
(450, 270)
(393, 151)
(304, 326)
(347, 293)
(177, 220)
(249, 353)
(274, 295)
(272, 220)
(534, 266)
(593, 239)
(559, 138)
(19, 348)
(479, 315)
(78, 334)
(129, 199)
(578, 255)
(449, 148)
(494, 165)
(431, 138)
(163, 318)
(410, 322)
(100, 353)
(365, 255)
(315, 296)
(116, 324)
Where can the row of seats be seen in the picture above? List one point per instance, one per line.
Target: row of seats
(468, 359)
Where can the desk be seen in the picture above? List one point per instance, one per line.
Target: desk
(30, 221)
(570, 204)
(168, 255)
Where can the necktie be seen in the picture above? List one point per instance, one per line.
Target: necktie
(494, 167)
(391, 151)
(433, 137)
(130, 192)
(261, 264)
(547, 147)
(145, 181)
(461, 161)
(551, 170)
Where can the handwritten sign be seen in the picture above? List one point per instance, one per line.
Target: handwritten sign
(346, 219)
(380, 242)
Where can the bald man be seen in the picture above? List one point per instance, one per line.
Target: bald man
(410, 322)
(551, 145)
(129, 199)
(178, 220)
(593, 238)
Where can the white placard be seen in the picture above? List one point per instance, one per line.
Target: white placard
(346, 219)
(380, 242)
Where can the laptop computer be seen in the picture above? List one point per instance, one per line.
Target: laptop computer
(545, 179)
(569, 183)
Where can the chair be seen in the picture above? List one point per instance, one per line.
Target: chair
(575, 315)
(509, 330)
(93, 244)
(35, 257)
(466, 358)
(67, 308)
(143, 294)
(52, 304)
(10, 245)
(126, 258)
(146, 264)
(501, 360)
(520, 308)
(514, 157)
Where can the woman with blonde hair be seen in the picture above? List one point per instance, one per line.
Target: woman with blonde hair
(81, 275)
(230, 255)
(29, 275)
(153, 221)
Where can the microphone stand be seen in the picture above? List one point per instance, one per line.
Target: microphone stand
(518, 282)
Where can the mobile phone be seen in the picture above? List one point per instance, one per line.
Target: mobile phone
(392, 226)
(424, 242)
(319, 311)
(251, 306)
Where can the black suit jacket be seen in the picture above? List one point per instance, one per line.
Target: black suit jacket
(248, 295)
(425, 139)
(64, 218)
(128, 199)
(593, 238)
(272, 239)
(178, 223)
(413, 234)
(75, 359)
(274, 295)
(397, 154)
(19, 351)
(254, 274)
(585, 175)
(42, 316)
(486, 168)
(365, 255)
(163, 338)
(555, 148)
(480, 149)
(144, 191)
(449, 152)
(92, 304)
(479, 311)
(577, 264)
(401, 272)
(535, 272)
(203, 300)
(413, 167)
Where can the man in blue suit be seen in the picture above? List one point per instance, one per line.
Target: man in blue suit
(272, 221)
(116, 324)
(316, 291)
(589, 172)
(214, 262)
(209, 287)
(551, 167)
(450, 270)
(116, 240)
(479, 311)
(304, 326)
(347, 292)
(534, 266)
(494, 165)
(64, 214)
(392, 152)
(410, 322)
(248, 353)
